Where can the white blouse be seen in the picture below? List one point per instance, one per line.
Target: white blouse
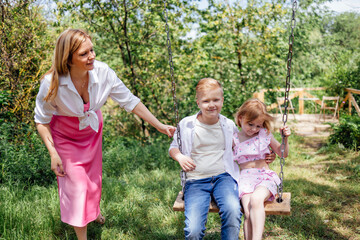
(103, 83)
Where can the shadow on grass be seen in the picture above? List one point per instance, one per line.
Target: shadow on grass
(138, 205)
(309, 200)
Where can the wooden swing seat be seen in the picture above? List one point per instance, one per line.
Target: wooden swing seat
(271, 208)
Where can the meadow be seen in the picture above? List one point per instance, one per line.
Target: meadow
(140, 183)
(245, 47)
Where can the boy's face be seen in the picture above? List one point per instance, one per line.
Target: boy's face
(210, 103)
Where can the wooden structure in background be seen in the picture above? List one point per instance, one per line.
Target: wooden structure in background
(334, 107)
(280, 102)
(302, 93)
(349, 97)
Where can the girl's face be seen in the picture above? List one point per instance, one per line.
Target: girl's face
(251, 128)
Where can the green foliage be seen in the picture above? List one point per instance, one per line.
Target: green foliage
(26, 160)
(130, 36)
(343, 44)
(123, 155)
(243, 47)
(24, 44)
(5, 100)
(137, 200)
(345, 75)
(347, 132)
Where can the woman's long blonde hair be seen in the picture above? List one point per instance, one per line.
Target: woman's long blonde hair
(68, 42)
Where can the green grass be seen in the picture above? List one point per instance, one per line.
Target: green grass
(141, 182)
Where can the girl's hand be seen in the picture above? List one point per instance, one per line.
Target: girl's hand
(285, 130)
(270, 157)
(56, 166)
(167, 129)
(186, 163)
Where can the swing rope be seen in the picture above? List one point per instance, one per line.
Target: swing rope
(173, 89)
(286, 101)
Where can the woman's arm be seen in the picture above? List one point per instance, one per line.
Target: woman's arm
(56, 164)
(142, 111)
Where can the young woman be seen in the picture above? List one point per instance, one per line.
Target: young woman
(70, 123)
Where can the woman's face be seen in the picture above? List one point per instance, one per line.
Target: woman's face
(84, 57)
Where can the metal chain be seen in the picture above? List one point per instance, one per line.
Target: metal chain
(173, 88)
(286, 100)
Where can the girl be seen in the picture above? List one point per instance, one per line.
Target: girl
(257, 183)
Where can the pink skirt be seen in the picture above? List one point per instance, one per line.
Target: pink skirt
(81, 156)
(251, 178)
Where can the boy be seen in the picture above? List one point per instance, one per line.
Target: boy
(208, 162)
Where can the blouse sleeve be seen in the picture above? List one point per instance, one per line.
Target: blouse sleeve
(44, 110)
(121, 94)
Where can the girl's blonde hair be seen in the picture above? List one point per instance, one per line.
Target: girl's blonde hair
(207, 84)
(67, 43)
(253, 109)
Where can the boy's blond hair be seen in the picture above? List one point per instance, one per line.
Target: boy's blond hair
(207, 84)
(253, 109)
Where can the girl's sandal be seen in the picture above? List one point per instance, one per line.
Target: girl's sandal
(100, 219)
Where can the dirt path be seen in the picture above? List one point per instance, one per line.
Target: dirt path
(308, 125)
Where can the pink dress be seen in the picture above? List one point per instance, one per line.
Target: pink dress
(81, 155)
(252, 150)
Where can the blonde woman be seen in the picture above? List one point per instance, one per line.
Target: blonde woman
(70, 122)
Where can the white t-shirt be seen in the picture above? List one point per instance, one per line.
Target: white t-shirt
(207, 151)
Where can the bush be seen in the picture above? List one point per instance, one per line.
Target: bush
(26, 161)
(347, 132)
(127, 154)
(25, 43)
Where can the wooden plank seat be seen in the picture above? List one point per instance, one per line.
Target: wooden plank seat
(271, 208)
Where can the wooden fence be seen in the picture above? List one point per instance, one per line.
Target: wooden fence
(349, 97)
(304, 95)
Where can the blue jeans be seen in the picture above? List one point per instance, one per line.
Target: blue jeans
(224, 190)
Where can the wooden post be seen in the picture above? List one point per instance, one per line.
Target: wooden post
(357, 108)
(260, 95)
(351, 99)
(349, 103)
(301, 102)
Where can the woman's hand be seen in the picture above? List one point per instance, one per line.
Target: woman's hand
(145, 114)
(56, 166)
(167, 129)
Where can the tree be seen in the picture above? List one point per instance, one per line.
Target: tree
(24, 45)
(130, 36)
(243, 46)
